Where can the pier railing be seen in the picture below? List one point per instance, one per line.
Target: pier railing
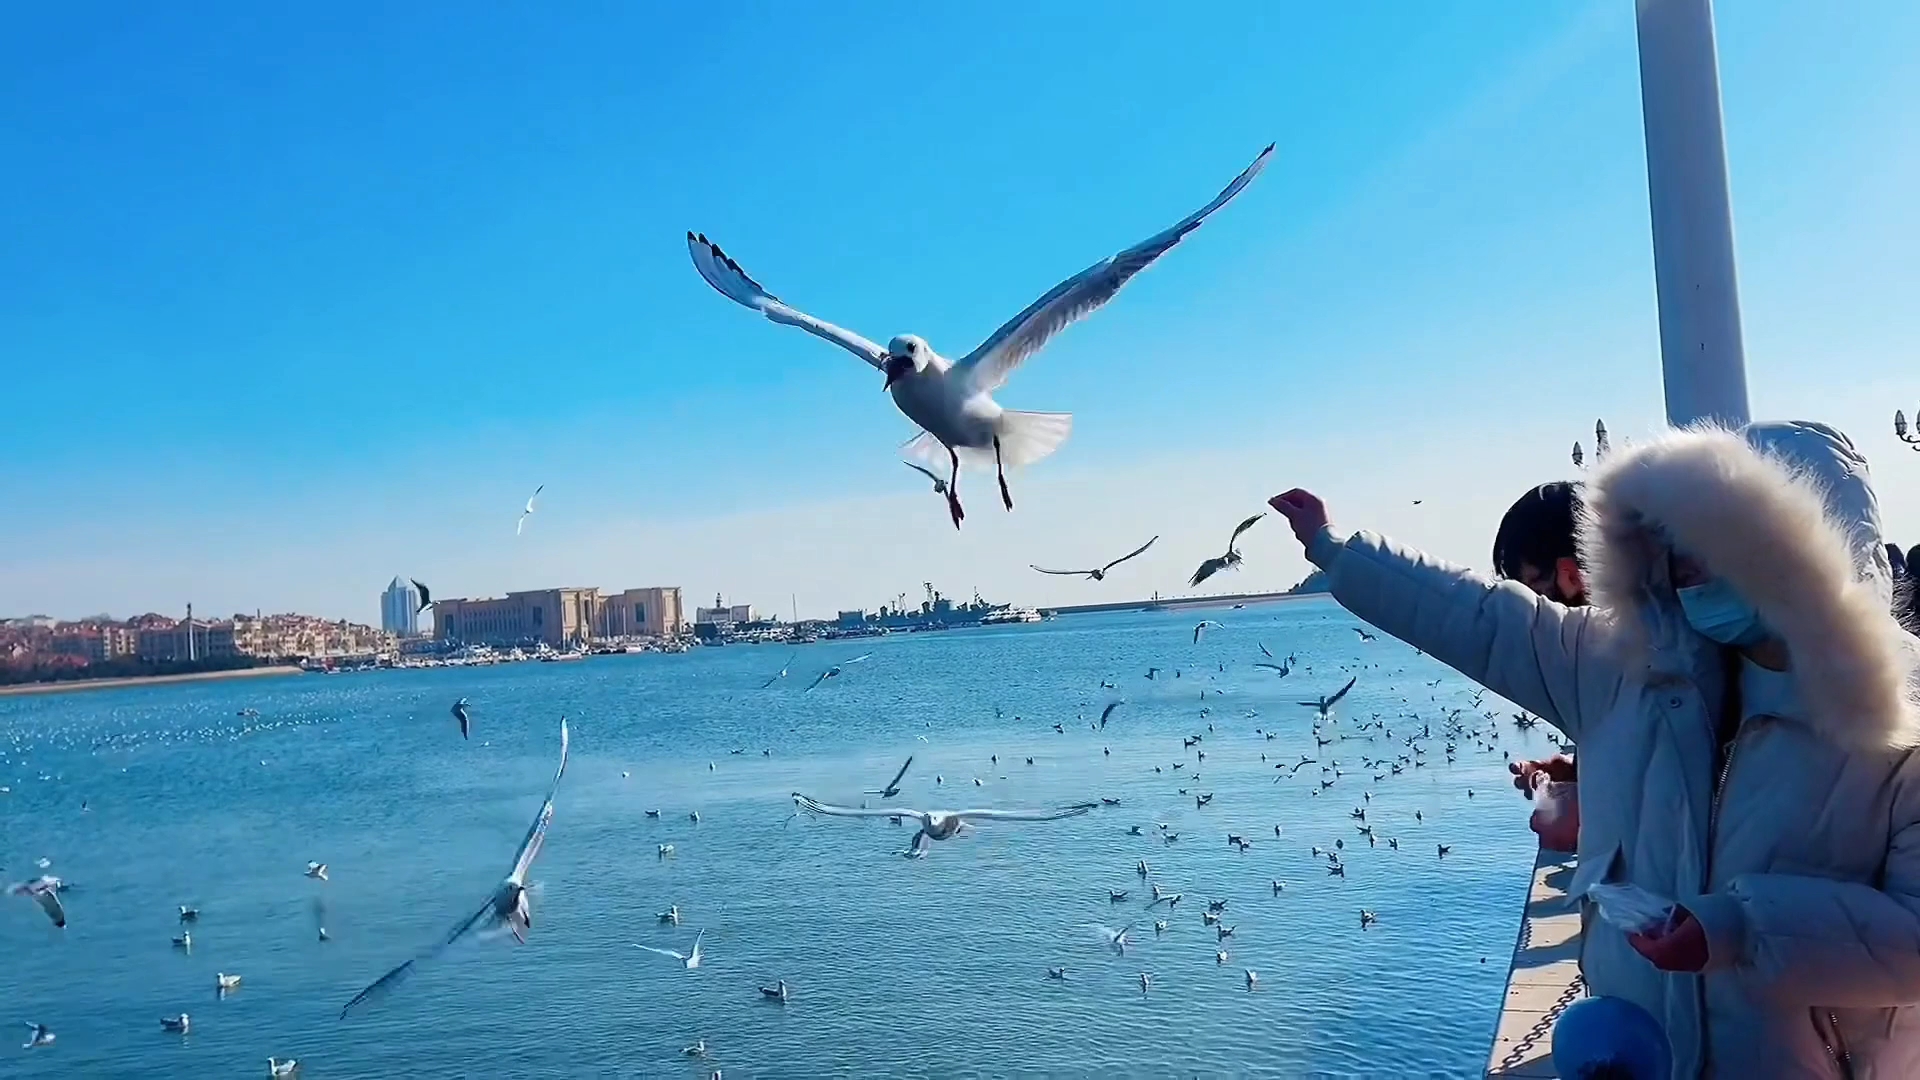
(1543, 977)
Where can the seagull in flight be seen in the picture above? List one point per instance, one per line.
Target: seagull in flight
(45, 891)
(952, 400)
(1098, 573)
(1115, 939)
(893, 785)
(1108, 711)
(1201, 626)
(781, 674)
(1326, 704)
(42, 1036)
(1228, 561)
(528, 512)
(939, 482)
(1284, 669)
(460, 714)
(507, 904)
(834, 671)
(690, 959)
(940, 824)
(1364, 636)
(426, 595)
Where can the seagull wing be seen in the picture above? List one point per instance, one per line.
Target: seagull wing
(426, 597)
(988, 366)
(725, 275)
(817, 680)
(680, 956)
(1276, 667)
(535, 495)
(693, 958)
(895, 782)
(814, 806)
(537, 835)
(520, 525)
(49, 900)
(1063, 573)
(1242, 527)
(1052, 814)
(857, 659)
(1335, 699)
(1263, 650)
(1128, 555)
(782, 674)
(924, 471)
(391, 979)
(1207, 570)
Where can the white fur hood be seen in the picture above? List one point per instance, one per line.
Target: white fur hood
(1787, 515)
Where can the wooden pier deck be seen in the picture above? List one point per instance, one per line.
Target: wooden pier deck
(1544, 978)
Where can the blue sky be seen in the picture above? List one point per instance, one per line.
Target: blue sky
(292, 301)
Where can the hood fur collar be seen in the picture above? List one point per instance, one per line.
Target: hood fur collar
(1787, 516)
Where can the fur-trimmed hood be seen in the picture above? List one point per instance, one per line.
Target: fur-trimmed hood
(1786, 514)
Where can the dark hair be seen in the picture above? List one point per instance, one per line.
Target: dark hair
(1538, 530)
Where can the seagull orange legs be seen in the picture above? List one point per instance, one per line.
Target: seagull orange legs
(953, 489)
(1001, 470)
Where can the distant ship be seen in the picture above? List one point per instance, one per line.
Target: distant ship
(1010, 615)
(937, 612)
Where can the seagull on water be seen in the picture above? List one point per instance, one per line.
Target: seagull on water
(278, 1068)
(45, 891)
(939, 824)
(1325, 704)
(507, 904)
(1228, 561)
(1058, 973)
(1098, 573)
(42, 1036)
(671, 915)
(224, 982)
(1117, 940)
(181, 1024)
(893, 785)
(528, 512)
(952, 400)
(834, 671)
(690, 960)
(317, 870)
(776, 992)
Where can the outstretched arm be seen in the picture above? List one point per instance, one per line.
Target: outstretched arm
(1527, 649)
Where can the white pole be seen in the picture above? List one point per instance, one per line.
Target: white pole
(1700, 349)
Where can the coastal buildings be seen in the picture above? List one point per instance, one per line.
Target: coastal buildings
(559, 617)
(400, 609)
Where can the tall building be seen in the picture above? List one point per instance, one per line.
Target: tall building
(400, 608)
(559, 616)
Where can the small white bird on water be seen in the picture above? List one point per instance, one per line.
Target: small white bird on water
(276, 1067)
(42, 1036)
(180, 1025)
(528, 512)
(224, 982)
(317, 870)
(939, 824)
(690, 960)
(952, 401)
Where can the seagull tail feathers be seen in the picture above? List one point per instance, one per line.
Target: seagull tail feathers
(1026, 437)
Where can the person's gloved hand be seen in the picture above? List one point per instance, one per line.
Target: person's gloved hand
(1557, 819)
(1304, 512)
(1559, 767)
(1682, 947)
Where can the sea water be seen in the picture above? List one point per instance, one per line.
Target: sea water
(897, 967)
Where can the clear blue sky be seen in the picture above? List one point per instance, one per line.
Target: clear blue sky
(292, 300)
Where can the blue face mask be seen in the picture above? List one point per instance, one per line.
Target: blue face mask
(1719, 614)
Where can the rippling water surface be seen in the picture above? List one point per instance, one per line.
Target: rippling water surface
(898, 967)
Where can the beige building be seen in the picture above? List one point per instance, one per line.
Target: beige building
(189, 639)
(559, 616)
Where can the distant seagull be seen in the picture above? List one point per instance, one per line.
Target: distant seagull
(1116, 940)
(1146, 981)
(507, 905)
(1057, 973)
(189, 914)
(893, 785)
(940, 824)
(224, 982)
(952, 400)
(1200, 627)
(45, 891)
(460, 714)
(1228, 561)
(282, 1069)
(1263, 649)
(426, 595)
(1325, 704)
(42, 1036)
(1253, 980)
(528, 512)
(834, 671)
(320, 917)
(184, 941)
(781, 674)
(1283, 669)
(939, 484)
(671, 915)
(1108, 711)
(1099, 573)
(698, 1049)
(317, 870)
(690, 960)
(1364, 636)
(776, 992)
(1579, 458)
(180, 1025)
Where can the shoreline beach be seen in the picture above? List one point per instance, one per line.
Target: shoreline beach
(145, 680)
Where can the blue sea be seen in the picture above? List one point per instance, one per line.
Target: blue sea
(897, 967)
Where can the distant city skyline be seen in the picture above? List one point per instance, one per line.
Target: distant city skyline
(420, 315)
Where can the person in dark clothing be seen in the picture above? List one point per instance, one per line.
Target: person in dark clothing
(1535, 544)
